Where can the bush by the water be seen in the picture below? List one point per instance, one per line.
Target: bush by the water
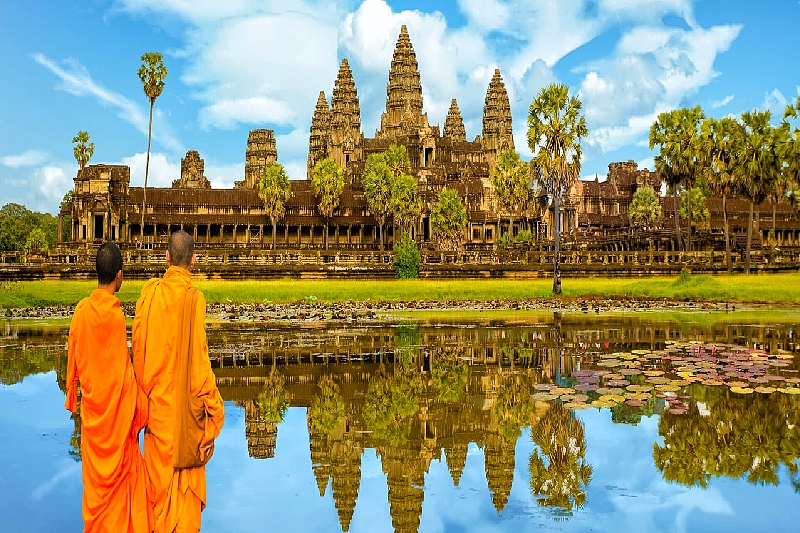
(406, 258)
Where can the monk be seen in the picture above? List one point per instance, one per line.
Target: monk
(113, 407)
(179, 495)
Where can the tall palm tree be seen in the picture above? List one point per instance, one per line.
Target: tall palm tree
(327, 180)
(555, 129)
(511, 180)
(274, 189)
(83, 149)
(720, 138)
(790, 152)
(680, 158)
(757, 166)
(152, 73)
(377, 181)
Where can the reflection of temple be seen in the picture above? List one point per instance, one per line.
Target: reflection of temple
(261, 435)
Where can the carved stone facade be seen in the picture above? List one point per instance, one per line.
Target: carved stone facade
(192, 176)
(99, 209)
(261, 153)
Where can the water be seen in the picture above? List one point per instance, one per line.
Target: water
(446, 424)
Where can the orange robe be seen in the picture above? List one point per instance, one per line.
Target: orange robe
(113, 410)
(178, 495)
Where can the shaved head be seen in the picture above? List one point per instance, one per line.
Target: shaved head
(181, 249)
(107, 263)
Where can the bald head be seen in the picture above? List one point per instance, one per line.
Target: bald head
(180, 249)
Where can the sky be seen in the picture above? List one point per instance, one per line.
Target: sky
(238, 65)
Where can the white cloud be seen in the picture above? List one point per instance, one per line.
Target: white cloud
(722, 103)
(44, 187)
(28, 158)
(76, 80)
(225, 114)
(161, 172)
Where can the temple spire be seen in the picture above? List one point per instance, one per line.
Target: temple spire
(403, 92)
(320, 133)
(497, 131)
(454, 124)
(345, 117)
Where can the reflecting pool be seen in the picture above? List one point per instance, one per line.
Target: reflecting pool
(457, 422)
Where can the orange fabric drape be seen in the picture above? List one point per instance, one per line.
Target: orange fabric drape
(113, 411)
(178, 495)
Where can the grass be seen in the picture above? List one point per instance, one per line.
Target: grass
(777, 288)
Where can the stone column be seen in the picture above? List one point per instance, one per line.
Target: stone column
(60, 228)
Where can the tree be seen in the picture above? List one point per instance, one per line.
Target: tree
(406, 258)
(152, 73)
(720, 138)
(327, 180)
(645, 207)
(274, 190)
(66, 202)
(510, 179)
(36, 241)
(83, 149)
(757, 166)
(377, 182)
(697, 200)
(680, 159)
(448, 220)
(790, 152)
(555, 129)
(406, 203)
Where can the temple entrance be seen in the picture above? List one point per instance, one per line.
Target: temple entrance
(98, 226)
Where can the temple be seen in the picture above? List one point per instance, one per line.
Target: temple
(106, 207)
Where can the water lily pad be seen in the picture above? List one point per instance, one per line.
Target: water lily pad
(658, 380)
(790, 390)
(668, 387)
(586, 387)
(676, 411)
(630, 371)
(765, 390)
(543, 396)
(653, 372)
(544, 386)
(635, 403)
(580, 398)
(616, 398)
(603, 403)
(618, 383)
(742, 390)
(577, 405)
(640, 388)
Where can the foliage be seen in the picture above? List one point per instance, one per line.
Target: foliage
(327, 409)
(274, 190)
(513, 407)
(327, 180)
(555, 129)
(36, 241)
(17, 223)
(502, 242)
(406, 258)
(563, 480)
(448, 220)
(645, 207)
(510, 179)
(700, 212)
(390, 405)
(274, 399)
(524, 236)
(406, 345)
(377, 180)
(152, 74)
(83, 149)
(406, 203)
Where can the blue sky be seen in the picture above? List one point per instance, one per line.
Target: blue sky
(238, 65)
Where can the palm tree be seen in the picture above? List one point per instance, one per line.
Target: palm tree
(327, 180)
(510, 179)
(720, 138)
(680, 158)
(555, 129)
(377, 182)
(274, 189)
(83, 149)
(448, 219)
(152, 73)
(406, 203)
(790, 152)
(757, 165)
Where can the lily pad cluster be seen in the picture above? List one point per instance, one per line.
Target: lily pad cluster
(635, 377)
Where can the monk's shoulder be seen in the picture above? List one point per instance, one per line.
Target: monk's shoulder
(148, 287)
(80, 309)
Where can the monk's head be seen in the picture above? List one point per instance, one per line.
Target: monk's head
(180, 250)
(108, 265)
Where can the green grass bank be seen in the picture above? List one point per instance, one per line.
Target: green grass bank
(778, 288)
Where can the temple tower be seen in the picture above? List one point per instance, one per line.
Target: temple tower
(454, 124)
(497, 134)
(261, 153)
(192, 176)
(345, 131)
(403, 114)
(320, 136)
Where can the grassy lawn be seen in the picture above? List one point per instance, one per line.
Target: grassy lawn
(778, 288)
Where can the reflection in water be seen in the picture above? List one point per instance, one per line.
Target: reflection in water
(415, 393)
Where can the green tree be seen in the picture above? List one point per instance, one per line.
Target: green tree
(555, 129)
(377, 180)
(83, 149)
(698, 205)
(273, 401)
(274, 190)
(406, 258)
(645, 207)
(36, 241)
(390, 404)
(790, 151)
(757, 165)
(720, 138)
(511, 180)
(327, 408)
(448, 220)
(152, 74)
(406, 203)
(327, 180)
(681, 156)
(64, 207)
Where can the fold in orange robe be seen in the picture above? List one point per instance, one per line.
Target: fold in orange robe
(178, 495)
(113, 410)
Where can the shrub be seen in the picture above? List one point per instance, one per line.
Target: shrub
(502, 242)
(524, 236)
(406, 258)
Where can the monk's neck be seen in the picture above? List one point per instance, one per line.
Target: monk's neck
(111, 288)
